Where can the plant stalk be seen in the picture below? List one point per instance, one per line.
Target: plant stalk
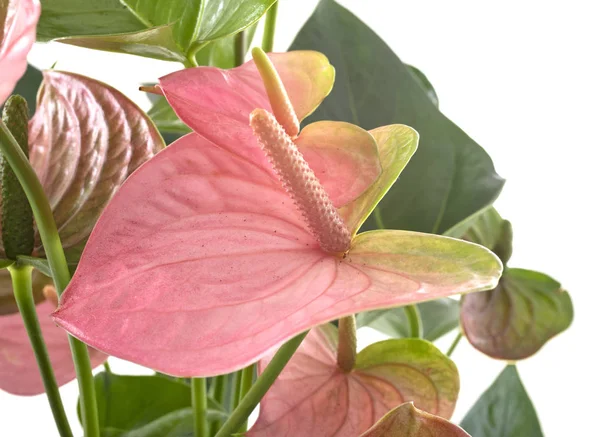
(269, 32)
(21, 282)
(247, 376)
(260, 387)
(240, 48)
(218, 391)
(58, 266)
(454, 344)
(346, 356)
(199, 405)
(414, 321)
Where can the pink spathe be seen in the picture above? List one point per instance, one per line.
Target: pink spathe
(202, 263)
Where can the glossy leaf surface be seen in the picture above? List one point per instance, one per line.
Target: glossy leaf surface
(85, 139)
(450, 176)
(438, 316)
(19, 373)
(313, 396)
(209, 235)
(514, 320)
(504, 410)
(131, 406)
(18, 19)
(408, 421)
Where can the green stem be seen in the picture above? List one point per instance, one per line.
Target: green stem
(414, 321)
(21, 281)
(346, 356)
(240, 48)
(199, 405)
(261, 386)
(218, 391)
(247, 376)
(454, 344)
(58, 266)
(107, 368)
(269, 32)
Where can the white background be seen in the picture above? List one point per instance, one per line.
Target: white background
(522, 79)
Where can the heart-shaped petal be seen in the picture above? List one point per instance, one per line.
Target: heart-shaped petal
(85, 139)
(18, 19)
(229, 270)
(314, 397)
(19, 373)
(514, 320)
(396, 144)
(408, 421)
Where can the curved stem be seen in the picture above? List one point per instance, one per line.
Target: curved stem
(269, 32)
(260, 387)
(346, 356)
(414, 321)
(245, 383)
(21, 282)
(199, 405)
(240, 48)
(454, 344)
(58, 266)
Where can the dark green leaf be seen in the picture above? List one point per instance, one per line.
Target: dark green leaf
(28, 87)
(504, 410)
(425, 84)
(450, 177)
(489, 229)
(439, 317)
(127, 403)
(179, 423)
(165, 118)
(221, 53)
(514, 320)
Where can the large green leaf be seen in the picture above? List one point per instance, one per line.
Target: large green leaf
(28, 87)
(450, 177)
(489, 229)
(162, 29)
(504, 410)
(439, 317)
(514, 320)
(137, 405)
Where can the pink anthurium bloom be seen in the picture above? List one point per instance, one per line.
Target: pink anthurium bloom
(227, 243)
(18, 20)
(314, 397)
(84, 139)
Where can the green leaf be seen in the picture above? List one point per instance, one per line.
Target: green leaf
(161, 29)
(504, 410)
(4, 263)
(425, 84)
(28, 87)
(450, 177)
(165, 118)
(140, 403)
(439, 317)
(178, 423)
(514, 320)
(408, 421)
(39, 263)
(221, 53)
(61, 18)
(490, 230)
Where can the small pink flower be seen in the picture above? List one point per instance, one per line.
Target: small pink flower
(17, 35)
(241, 235)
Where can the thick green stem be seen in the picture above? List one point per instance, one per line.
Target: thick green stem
(245, 384)
(346, 356)
(269, 33)
(58, 266)
(199, 405)
(414, 321)
(21, 282)
(240, 48)
(260, 387)
(454, 344)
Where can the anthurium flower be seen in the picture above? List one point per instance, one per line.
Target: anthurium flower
(84, 139)
(18, 19)
(241, 235)
(313, 396)
(408, 421)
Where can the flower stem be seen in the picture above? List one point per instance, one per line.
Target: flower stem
(199, 405)
(240, 48)
(414, 321)
(261, 386)
(218, 390)
(21, 282)
(269, 32)
(58, 266)
(454, 344)
(346, 356)
(245, 384)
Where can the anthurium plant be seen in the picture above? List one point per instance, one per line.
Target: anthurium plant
(302, 195)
